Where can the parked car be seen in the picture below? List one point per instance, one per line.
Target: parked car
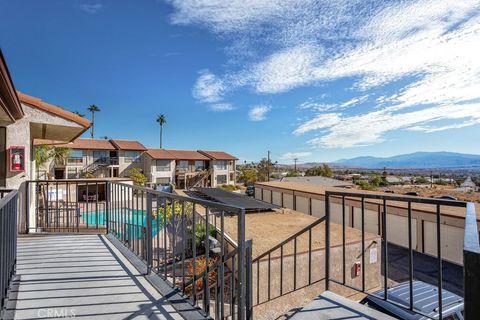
(250, 191)
(448, 198)
(412, 193)
(425, 300)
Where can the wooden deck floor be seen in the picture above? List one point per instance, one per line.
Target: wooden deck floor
(81, 276)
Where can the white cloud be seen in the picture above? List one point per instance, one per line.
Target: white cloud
(91, 8)
(428, 47)
(294, 155)
(321, 121)
(220, 107)
(369, 128)
(258, 113)
(208, 88)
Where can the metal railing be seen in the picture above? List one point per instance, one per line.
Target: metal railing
(67, 205)
(471, 250)
(183, 240)
(8, 242)
(276, 270)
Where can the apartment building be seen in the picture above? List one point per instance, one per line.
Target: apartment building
(99, 158)
(186, 168)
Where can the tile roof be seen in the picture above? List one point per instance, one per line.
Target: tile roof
(39, 104)
(160, 154)
(218, 155)
(93, 144)
(176, 154)
(128, 145)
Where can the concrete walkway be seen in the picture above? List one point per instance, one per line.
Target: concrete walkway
(81, 276)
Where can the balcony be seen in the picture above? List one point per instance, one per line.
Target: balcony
(124, 251)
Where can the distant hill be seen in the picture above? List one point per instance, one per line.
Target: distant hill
(415, 160)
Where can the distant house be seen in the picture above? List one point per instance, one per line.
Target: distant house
(100, 158)
(319, 180)
(189, 168)
(468, 185)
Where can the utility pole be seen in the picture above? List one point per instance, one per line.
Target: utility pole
(295, 161)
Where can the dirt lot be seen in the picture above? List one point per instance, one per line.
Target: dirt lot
(271, 228)
(436, 191)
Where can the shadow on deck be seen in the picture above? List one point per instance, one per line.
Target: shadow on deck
(66, 276)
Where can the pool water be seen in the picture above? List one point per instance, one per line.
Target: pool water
(134, 220)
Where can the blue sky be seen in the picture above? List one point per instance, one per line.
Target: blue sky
(316, 80)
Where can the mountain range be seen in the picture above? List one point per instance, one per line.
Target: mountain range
(414, 160)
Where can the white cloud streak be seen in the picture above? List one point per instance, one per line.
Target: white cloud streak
(430, 46)
(221, 107)
(294, 155)
(91, 8)
(258, 113)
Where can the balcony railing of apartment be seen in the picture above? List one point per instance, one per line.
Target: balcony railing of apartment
(179, 239)
(8, 241)
(471, 250)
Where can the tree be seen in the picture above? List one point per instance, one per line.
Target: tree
(264, 168)
(324, 170)
(59, 155)
(292, 173)
(139, 179)
(93, 108)
(41, 156)
(161, 120)
(248, 175)
(45, 153)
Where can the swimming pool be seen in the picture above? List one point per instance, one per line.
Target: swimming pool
(132, 221)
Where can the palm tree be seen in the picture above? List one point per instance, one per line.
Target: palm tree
(59, 155)
(93, 108)
(161, 120)
(79, 114)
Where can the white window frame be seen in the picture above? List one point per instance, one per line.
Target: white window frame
(163, 168)
(131, 159)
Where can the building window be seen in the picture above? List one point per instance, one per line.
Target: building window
(132, 156)
(71, 173)
(163, 165)
(221, 165)
(75, 157)
(162, 180)
(199, 165)
(99, 156)
(222, 179)
(183, 164)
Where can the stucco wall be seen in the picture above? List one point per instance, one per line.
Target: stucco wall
(19, 134)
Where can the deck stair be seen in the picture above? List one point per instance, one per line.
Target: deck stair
(92, 168)
(199, 178)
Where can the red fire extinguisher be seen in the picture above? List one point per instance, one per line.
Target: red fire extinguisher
(17, 162)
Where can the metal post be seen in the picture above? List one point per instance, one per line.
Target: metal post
(107, 206)
(327, 240)
(241, 265)
(149, 232)
(248, 291)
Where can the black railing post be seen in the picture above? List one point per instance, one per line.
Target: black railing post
(241, 265)
(107, 206)
(248, 276)
(471, 265)
(327, 240)
(148, 237)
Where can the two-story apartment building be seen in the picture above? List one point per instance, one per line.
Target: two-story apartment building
(186, 168)
(99, 158)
